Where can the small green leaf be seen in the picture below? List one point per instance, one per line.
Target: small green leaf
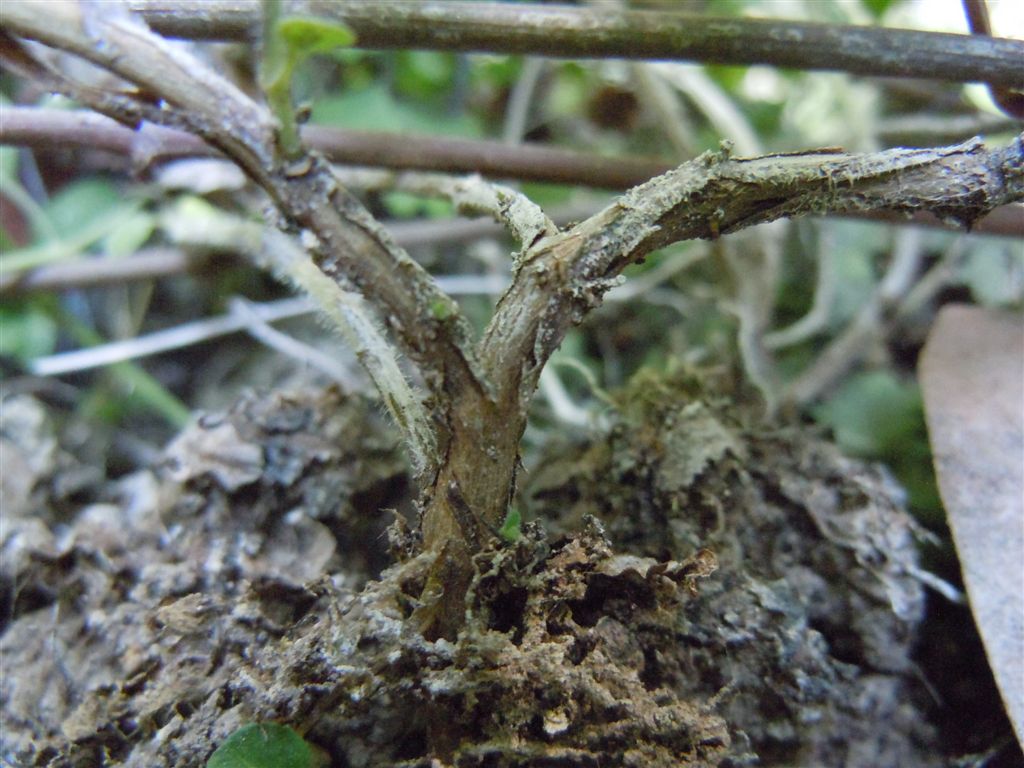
(512, 529)
(442, 309)
(262, 745)
(308, 36)
(84, 201)
(26, 331)
(130, 234)
(292, 40)
(873, 414)
(877, 8)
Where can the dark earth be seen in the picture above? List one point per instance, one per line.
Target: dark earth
(693, 588)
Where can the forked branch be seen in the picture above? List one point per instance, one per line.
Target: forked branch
(481, 392)
(561, 278)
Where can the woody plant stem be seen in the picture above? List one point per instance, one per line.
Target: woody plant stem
(479, 392)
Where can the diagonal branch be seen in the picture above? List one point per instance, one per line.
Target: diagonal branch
(567, 32)
(523, 218)
(563, 277)
(348, 244)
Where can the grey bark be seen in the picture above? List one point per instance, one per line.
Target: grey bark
(481, 390)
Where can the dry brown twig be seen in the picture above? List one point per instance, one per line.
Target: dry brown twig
(565, 31)
(479, 391)
(52, 129)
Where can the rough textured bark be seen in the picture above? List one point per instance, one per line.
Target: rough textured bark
(480, 391)
(559, 279)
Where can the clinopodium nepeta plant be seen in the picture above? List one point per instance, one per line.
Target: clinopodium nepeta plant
(463, 426)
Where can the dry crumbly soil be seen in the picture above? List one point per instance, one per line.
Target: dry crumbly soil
(234, 583)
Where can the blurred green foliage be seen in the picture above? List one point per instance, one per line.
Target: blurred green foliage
(424, 74)
(993, 271)
(376, 107)
(879, 415)
(89, 217)
(26, 330)
(82, 215)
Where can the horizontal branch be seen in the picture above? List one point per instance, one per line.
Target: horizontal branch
(148, 264)
(561, 278)
(567, 32)
(54, 129)
(42, 128)
(717, 194)
(491, 159)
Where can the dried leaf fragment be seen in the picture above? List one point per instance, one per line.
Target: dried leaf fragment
(972, 375)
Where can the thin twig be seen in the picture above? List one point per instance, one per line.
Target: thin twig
(184, 335)
(817, 317)
(147, 264)
(524, 219)
(680, 260)
(51, 129)
(941, 274)
(565, 32)
(54, 129)
(356, 323)
(718, 108)
(942, 128)
(867, 327)
(753, 263)
(520, 101)
(562, 406)
(198, 331)
(262, 331)
(672, 116)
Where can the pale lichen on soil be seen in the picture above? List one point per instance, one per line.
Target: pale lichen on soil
(241, 581)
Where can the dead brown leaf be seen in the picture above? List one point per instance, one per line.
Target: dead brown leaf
(972, 375)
